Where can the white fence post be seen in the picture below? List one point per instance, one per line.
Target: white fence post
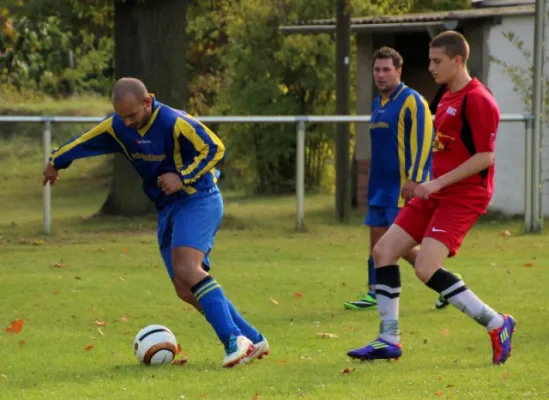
(528, 163)
(300, 174)
(47, 187)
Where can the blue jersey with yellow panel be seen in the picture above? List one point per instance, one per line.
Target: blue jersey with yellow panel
(172, 141)
(401, 131)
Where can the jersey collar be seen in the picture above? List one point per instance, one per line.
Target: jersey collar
(394, 94)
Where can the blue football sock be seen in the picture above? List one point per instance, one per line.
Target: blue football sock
(214, 305)
(247, 330)
(371, 277)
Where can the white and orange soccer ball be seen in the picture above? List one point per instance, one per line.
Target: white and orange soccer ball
(155, 345)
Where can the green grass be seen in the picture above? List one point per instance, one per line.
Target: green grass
(111, 268)
(75, 106)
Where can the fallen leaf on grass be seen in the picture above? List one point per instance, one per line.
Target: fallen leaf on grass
(506, 233)
(21, 342)
(100, 332)
(38, 242)
(273, 301)
(88, 347)
(100, 323)
(256, 396)
(347, 370)
(15, 326)
(125, 250)
(180, 361)
(124, 318)
(59, 265)
(77, 278)
(450, 386)
(445, 331)
(298, 295)
(156, 266)
(439, 393)
(529, 264)
(326, 335)
(56, 292)
(281, 362)
(349, 328)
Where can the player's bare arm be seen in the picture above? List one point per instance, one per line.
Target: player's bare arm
(472, 166)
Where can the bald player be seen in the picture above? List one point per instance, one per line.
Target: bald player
(175, 155)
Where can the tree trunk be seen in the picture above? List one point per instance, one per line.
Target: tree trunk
(150, 44)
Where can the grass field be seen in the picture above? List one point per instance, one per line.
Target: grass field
(97, 271)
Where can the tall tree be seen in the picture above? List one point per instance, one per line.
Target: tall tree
(150, 44)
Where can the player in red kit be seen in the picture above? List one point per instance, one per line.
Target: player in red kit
(443, 210)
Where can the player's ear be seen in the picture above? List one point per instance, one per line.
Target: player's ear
(148, 101)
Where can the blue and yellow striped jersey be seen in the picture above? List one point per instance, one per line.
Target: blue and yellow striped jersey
(172, 141)
(401, 131)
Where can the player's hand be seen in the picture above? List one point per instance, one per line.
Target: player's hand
(425, 189)
(407, 191)
(170, 183)
(50, 174)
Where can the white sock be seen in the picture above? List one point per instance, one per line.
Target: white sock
(388, 311)
(467, 302)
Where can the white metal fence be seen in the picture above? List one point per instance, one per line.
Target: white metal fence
(533, 212)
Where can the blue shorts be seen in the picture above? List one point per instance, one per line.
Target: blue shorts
(381, 216)
(191, 222)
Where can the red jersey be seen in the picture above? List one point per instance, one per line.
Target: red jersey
(466, 123)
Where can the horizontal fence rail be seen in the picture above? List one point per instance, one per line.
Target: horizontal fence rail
(533, 215)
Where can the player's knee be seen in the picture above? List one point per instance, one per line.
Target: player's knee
(424, 269)
(187, 267)
(383, 254)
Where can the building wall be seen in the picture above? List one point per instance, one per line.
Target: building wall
(486, 41)
(510, 144)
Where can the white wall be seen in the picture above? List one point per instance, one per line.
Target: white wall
(509, 180)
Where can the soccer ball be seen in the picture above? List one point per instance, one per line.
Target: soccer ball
(155, 345)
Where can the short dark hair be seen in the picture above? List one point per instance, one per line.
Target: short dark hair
(385, 53)
(453, 43)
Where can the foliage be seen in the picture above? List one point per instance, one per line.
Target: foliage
(523, 78)
(239, 63)
(57, 47)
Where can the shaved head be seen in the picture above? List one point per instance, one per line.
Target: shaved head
(126, 86)
(132, 102)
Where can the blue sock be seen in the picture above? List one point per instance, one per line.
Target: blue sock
(371, 277)
(214, 305)
(247, 330)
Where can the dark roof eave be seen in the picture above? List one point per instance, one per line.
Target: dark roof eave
(355, 28)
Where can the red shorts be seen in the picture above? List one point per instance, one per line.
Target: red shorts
(445, 220)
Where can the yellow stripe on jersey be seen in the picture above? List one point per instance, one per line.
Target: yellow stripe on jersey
(101, 128)
(401, 135)
(187, 130)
